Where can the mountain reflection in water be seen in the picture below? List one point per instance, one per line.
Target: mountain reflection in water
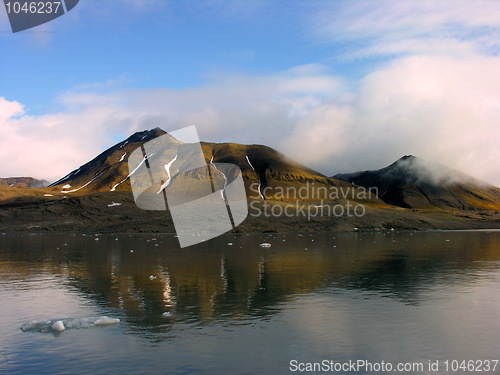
(145, 276)
(379, 296)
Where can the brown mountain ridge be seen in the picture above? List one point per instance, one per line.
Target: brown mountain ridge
(413, 194)
(411, 182)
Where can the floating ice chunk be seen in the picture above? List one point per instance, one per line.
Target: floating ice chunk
(67, 186)
(48, 195)
(265, 244)
(167, 314)
(152, 277)
(114, 204)
(104, 320)
(36, 325)
(59, 325)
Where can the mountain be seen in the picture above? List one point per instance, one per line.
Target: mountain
(96, 197)
(268, 170)
(411, 182)
(24, 182)
(107, 170)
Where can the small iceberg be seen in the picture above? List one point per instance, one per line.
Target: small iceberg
(265, 244)
(59, 325)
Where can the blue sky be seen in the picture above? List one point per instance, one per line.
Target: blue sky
(337, 85)
(173, 44)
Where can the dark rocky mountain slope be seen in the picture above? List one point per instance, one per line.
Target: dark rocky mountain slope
(411, 182)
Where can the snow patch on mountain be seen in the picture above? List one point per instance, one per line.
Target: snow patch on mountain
(131, 173)
(71, 174)
(81, 187)
(260, 183)
(167, 168)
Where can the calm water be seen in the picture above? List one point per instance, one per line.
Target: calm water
(237, 308)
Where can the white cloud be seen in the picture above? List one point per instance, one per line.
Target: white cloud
(239, 108)
(390, 28)
(438, 98)
(440, 108)
(50, 145)
(443, 109)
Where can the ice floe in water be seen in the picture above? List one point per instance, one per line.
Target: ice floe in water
(59, 325)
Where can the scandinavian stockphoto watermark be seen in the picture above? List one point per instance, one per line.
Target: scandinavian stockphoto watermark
(25, 14)
(205, 200)
(310, 201)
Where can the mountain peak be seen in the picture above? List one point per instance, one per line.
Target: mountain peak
(412, 182)
(405, 160)
(408, 157)
(102, 162)
(158, 131)
(145, 135)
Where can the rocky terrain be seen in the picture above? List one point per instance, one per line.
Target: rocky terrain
(283, 195)
(411, 182)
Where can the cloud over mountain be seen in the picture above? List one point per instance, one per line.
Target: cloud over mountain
(431, 87)
(440, 108)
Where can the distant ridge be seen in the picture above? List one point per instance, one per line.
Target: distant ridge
(411, 182)
(24, 182)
